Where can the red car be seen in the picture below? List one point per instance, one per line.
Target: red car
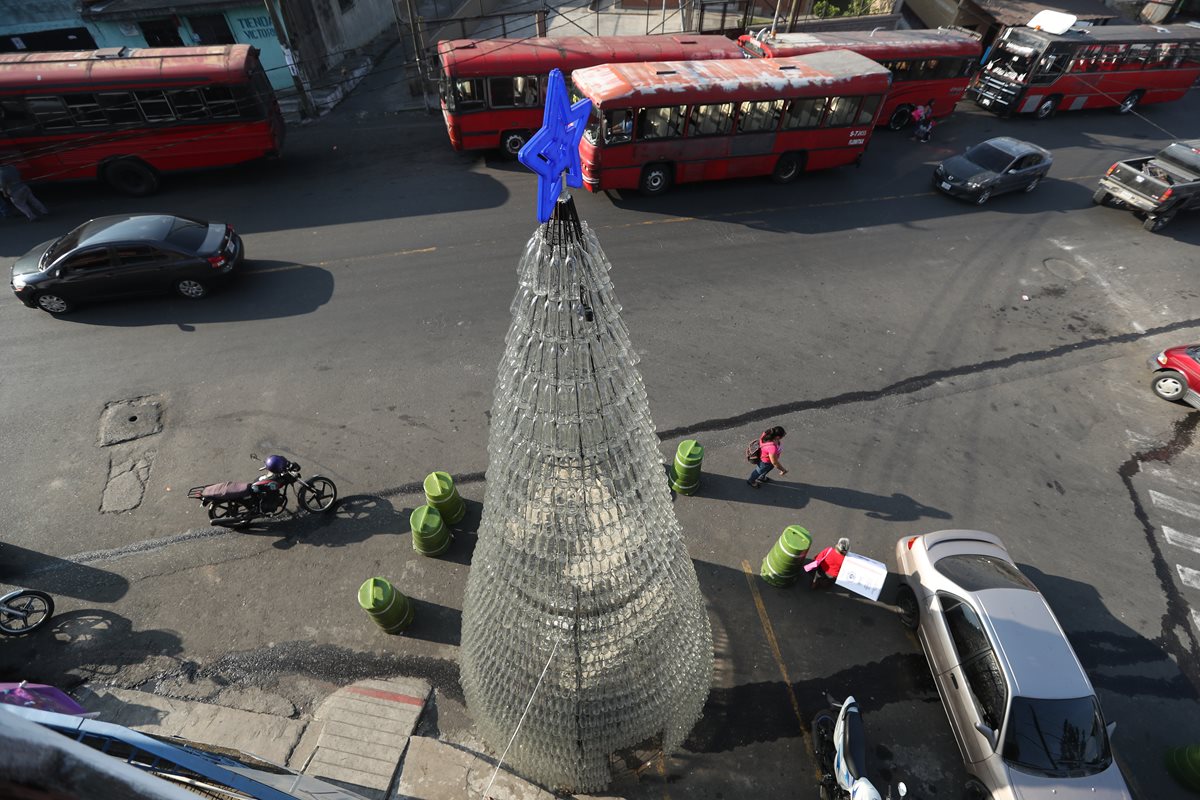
(1177, 374)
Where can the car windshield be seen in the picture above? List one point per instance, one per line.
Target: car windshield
(187, 233)
(989, 157)
(1014, 55)
(1057, 737)
(975, 572)
(67, 243)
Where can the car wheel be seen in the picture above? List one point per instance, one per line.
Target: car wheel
(1130, 102)
(191, 288)
(983, 197)
(656, 179)
(1029, 187)
(910, 609)
(787, 168)
(1156, 224)
(1169, 384)
(974, 790)
(131, 176)
(1100, 197)
(511, 142)
(900, 117)
(54, 303)
(1046, 108)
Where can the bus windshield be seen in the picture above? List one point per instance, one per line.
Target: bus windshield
(1016, 54)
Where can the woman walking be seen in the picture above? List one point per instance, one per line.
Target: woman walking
(769, 446)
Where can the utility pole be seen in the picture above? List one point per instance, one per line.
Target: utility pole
(290, 59)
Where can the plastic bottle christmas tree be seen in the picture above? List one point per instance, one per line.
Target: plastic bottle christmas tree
(584, 631)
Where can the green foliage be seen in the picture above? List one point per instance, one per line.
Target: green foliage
(854, 8)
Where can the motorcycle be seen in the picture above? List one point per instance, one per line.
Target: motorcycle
(24, 611)
(841, 749)
(233, 504)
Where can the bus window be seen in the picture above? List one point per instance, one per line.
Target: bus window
(759, 116)
(842, 112)
(467, 95)
(618, 126)
(85, 111)
(16, 119)
(866, 112)
(221, 101)
(711, 120)
(188, 104)
(1050, 67)
(901, 70)
(1189, 55)
(663, 122)
(154, 106)
(1139, 55)
(50, 112)
(805, 113)
(120, 108)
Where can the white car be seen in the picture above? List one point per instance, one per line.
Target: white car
(1022, 709)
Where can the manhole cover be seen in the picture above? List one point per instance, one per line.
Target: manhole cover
(125, 420)
(1063, 270)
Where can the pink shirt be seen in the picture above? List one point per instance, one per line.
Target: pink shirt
(768, 449)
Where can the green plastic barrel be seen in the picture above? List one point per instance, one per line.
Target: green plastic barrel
(441, 494)
(785, 560)
(1184, 765)
(390, 609)
(430, 536)
(685, 474)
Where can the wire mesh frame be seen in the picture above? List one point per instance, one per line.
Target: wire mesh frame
(579, 551)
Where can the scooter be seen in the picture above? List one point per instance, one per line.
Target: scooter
(841, 749)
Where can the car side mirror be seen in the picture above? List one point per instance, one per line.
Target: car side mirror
(1111, 728)
(988, 733)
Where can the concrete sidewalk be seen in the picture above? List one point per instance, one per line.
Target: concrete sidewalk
(360, 739)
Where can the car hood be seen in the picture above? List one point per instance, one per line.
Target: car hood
(961, 169)
(28, 263)
(1107, 785)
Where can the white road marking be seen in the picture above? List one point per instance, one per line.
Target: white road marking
(1168, 503)
(1184, 540)
(1189, 576)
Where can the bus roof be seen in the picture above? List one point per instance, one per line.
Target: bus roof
(1112, 34)
(475, 58)
(878, 45)
(612, 85)
(119, 66)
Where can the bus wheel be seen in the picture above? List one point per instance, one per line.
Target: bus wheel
(131, 176)
(1047, 108)
(900, 117)
(656, 179)
(1130, 102)
(787, 168)
(511, 142)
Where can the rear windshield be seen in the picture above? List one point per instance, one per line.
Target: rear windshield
(187, 234)
(989, 157)
(975, 573)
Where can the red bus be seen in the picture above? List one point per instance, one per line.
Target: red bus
(125, 115)
(1122, 66)
(661, 123)
(492, 89)
(926, 65)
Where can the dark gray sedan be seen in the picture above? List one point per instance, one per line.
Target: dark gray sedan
(993, 167)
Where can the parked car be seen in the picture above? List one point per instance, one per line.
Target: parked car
(127, 255)
(1022, 710)
(1177, 374)
(999, 165)
(1155, 187)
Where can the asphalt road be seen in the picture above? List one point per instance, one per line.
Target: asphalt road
(936, 364)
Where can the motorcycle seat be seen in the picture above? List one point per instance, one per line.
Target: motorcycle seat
(854, 749)
(225, 491)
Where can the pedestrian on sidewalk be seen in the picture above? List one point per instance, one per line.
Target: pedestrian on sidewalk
(769, 446)
(19, 194)
(828, 564)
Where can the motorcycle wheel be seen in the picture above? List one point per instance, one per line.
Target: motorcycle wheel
(35, 610)
(319, 495)
(227, 514)
(822, 729)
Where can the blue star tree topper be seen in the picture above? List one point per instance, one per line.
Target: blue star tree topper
(555, 148)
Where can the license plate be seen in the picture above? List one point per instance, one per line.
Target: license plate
(945, 186)
(229, 248)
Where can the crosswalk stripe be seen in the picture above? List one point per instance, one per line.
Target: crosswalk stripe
(1189, 576)
(1184, 540)
(1169, 503)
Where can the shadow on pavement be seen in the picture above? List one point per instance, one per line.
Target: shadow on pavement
(32, 570)
(795, 494)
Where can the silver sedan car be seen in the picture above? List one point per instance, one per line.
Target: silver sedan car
(1024, 714)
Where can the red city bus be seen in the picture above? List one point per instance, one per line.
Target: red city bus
(926, 65)
(1033, 71)
(661, 123)
(126, 115)
(492, 89)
